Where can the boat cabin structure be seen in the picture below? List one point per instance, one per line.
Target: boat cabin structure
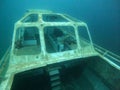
(47, 44)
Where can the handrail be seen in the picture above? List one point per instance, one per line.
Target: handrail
(105, 51)
(4, 58)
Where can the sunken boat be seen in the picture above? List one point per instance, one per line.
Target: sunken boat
(54, 51)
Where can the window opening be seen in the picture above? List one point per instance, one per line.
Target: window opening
(60, 38)
(27, 41)
(53, 18)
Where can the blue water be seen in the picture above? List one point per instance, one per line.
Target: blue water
(102, 17)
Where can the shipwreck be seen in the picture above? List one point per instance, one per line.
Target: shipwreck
(54, 51)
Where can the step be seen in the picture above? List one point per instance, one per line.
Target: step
(55, 83)
(54, 72)
(55, 77)
(56, 88)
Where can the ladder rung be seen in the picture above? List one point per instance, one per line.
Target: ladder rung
(55, 83)
(53, 78)
(57, 88)
(53, 72)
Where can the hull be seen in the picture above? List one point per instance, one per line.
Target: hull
(53, 51)
(92, 73)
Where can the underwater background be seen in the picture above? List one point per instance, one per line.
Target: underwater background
(102, 17)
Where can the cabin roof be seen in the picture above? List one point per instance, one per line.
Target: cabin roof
(35, 16)
(38, 26)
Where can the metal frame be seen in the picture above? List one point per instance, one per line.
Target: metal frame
(26, 62)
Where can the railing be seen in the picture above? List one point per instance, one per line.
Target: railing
(102, 50)
(4, 59)
(109, 55)
(106, 53)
